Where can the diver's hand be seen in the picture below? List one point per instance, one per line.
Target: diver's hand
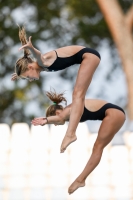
(28, 45)
(14, 77)
(39, 121)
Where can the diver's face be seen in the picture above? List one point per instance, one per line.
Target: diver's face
(32, 74)
(58, 113)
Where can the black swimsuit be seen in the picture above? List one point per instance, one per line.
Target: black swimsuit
(99, 114)
(63, 62)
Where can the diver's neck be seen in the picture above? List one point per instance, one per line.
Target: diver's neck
(66, 113)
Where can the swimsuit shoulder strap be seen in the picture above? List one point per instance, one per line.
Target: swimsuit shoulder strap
(56, 53)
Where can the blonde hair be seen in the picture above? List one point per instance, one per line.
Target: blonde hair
(22, 63)
(56, 99)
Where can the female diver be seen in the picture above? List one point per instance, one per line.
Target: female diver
(59, 59)
(112, 117)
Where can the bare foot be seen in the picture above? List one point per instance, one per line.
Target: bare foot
(67, 141)
(75, 185)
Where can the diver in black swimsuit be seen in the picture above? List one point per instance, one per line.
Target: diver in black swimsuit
(59, 59)
(112, 117)
(98, 114)
(63, 62)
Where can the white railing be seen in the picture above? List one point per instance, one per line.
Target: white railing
(32, 168)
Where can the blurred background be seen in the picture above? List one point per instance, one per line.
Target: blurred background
(31, 167)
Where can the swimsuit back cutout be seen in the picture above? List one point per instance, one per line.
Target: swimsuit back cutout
(99, 114)
(63, 62)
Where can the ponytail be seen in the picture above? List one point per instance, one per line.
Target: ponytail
(22, 63)
(23, 40)
(56, 99)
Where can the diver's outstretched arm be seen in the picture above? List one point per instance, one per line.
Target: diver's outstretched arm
(47, 120)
